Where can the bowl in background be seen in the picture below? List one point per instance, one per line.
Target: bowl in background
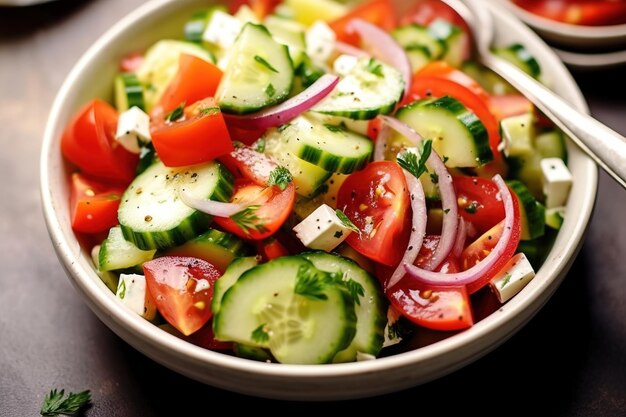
(92, 77)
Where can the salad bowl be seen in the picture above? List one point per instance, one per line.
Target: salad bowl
(92, 77)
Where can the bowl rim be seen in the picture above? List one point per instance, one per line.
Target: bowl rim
(463, 347)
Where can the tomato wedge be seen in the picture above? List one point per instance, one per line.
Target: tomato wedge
(199, 135)
(182, 289)
(426, 11)
(379, 12)
(478, 201)
(503, 106)
(93, 204)
(195, 80)
(376, 199)
(578, 12)
(267, 208)
(88, 142)
(261, 8)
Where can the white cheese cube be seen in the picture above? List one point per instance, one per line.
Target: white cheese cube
(512, 278)
(133, 293)
(344, 64)
(222, 29)
(133, 129)
(320, 42)
(322, 229)
(557, 181)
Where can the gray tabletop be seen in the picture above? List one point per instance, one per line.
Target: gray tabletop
(570, 360)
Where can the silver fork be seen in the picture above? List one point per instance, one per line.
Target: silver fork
(605, 146)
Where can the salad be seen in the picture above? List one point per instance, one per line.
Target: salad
(314, 182)
(578, 12)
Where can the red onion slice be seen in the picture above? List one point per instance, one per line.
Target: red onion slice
(446, 189)
(477, 271)
(214, 208)
(287, 110)
(382, 45)
(381, 142)
(461, 236)
(418, 229)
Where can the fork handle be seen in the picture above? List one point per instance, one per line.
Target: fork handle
(605, 146)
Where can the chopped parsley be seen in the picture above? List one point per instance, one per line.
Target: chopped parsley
(56, 403)
(122, 289)
(260, 334)
(507, 279)
(341, 127)
(408, 160)
(347, 223)
(270, 90)
(208, 111)
(280, 177)
(259, 145)
(311, 283)
(281, 128)
(434, 178)
(374, 67)
(472, 208)
(176, 114)
(356, 290)
(248, 220)
(264, 62)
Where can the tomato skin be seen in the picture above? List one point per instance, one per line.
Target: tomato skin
(270, 248)
(199, 137)
(195, 80)
(88, 142)
(379, 12)
(388, 208)
(485, 243)
(274, 207)
(508, 105)
(245, 162)
(261, 8)
(182, 289)
(438, 79)
(425, 11)
(93, 204)
(578, 12)
(478, 201)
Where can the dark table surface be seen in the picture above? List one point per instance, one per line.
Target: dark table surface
(570, 360)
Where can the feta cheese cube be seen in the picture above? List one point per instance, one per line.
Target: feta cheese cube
(133, 129)
(222, 30)
(320, 41)
(557, 181)
(512, 278)
(344, 64)
(132, 292)
(322, 229)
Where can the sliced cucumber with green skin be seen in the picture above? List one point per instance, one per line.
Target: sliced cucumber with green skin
(369, 89)
(151, 214)
(452, 37)
(555, 217)
(419, 56)
(110, 279)
(290, 33)
(197, 24)
(128, 92)
(417, 36)
(214, 246)
(371, 310)
(518, 55)
(307, 177)
(306, 74)
(252, 352)
(518, 134)
(458, 135)
(259, 72)
(160, 65)
(230, 276)
(489, 80)
(532, 212)
(289, 306)
(118, 253)
(147, 157)
(331, 147)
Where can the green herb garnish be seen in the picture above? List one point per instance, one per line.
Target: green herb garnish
(56, 403)
(260, 334)
(311, 283)
(472, 208)
(408, 159)
(248, 220)
(208, 111)
(176, 114)
(374, 67)
(507, 279)
(347, 223)
(122, 289)
(259, 145)
(264, 62)
(280, 177)
(341, 127)
(356, 290)
(270, 90)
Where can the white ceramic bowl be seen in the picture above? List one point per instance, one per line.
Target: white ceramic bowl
(92, 77)
(569, 35)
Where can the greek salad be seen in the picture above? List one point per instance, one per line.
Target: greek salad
(315, 181)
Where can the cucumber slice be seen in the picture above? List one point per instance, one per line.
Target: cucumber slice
(252, 353)
(259, 72)
(452, 37)
(330, 147)
(128, 92)
(118, 253)
(518, 134)
(214, 246)
(552, 144)
(459, 137)
(287, 305)
(532, 212)
(555, 217)
(417, 36)
(518, 55)
(197, 24)
(371, 309)
(230, 276)
(290, 33)
(489, 80)
(307, 177)
(419, 56)
(151, 214)
(369, 89)
(160, 65)
(110, 279)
